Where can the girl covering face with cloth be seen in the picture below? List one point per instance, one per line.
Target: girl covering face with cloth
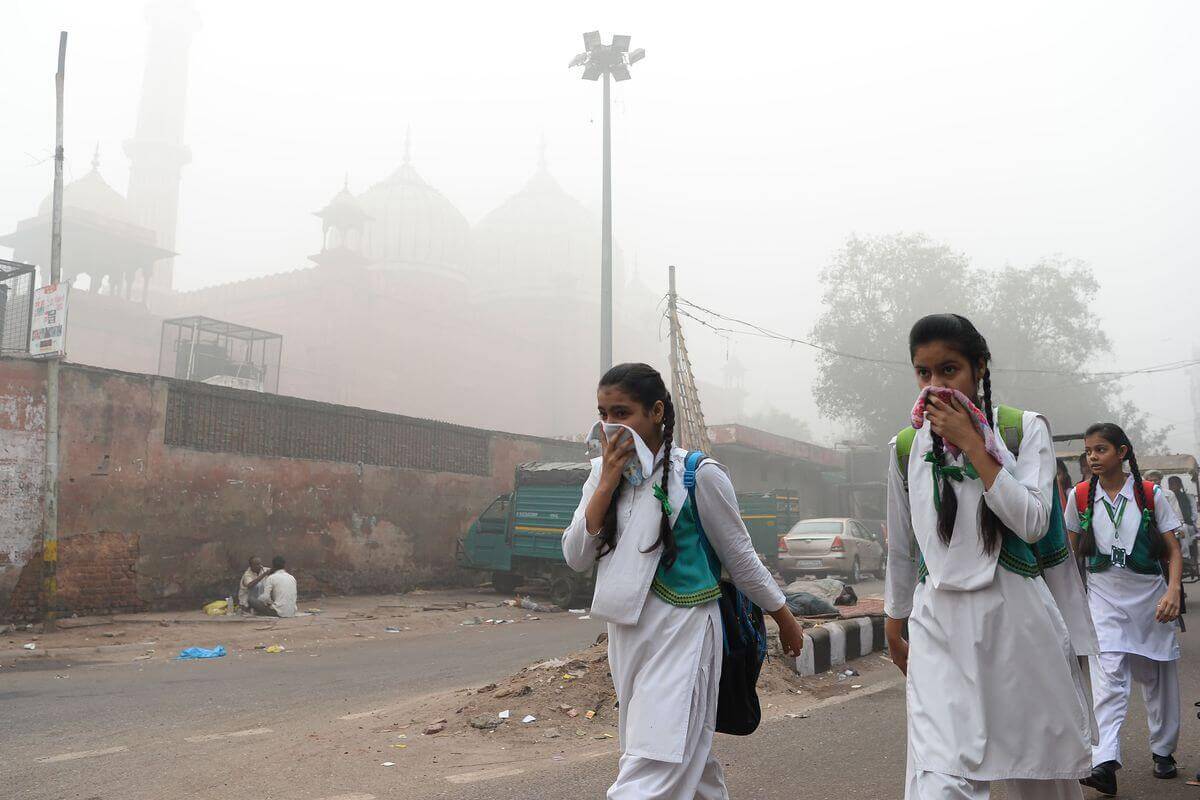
(1126, 532)
(994, 687)
(657, 588)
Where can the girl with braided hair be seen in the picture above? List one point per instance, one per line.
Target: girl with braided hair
(1126, 532)
(657, 587)
(982, 578)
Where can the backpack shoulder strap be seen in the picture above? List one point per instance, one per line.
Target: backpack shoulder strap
(1011, 423)
(1148, 490)
(904, 444)
(1081, 493)
(690, 464)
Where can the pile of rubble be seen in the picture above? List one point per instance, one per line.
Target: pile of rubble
(570, 697)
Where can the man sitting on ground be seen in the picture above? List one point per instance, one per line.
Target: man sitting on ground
(250, 587)
(278, 597)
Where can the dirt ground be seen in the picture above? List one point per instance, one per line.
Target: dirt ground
(561, 710)
(149, 636)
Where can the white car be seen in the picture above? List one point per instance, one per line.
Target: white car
(832, 546)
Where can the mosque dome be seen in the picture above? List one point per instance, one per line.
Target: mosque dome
(92, 194)
(541, 241)
(410, 223)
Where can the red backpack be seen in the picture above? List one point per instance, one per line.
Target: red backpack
(1081, 494)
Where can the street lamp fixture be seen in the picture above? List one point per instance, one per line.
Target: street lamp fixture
(607, 61)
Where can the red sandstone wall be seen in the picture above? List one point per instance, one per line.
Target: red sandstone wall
(144, 524)
(22, 463)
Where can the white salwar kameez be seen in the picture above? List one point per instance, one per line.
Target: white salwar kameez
(994, 688)
(666, 660)
(1134, 646)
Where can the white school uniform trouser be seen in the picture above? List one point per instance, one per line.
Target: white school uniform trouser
(1112, 674)
(924, 785)
(699, 776)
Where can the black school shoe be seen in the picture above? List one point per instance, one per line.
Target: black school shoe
(1164, 766)
(1103, 778)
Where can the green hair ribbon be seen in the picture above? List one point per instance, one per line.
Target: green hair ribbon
(661, 495)
(1085, 520)
(941, 471)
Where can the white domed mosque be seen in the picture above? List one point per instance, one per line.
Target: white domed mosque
(412, 226)
(104, 250)
(405, 308)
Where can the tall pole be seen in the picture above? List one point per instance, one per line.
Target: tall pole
(606, 342)
(671, 317)
(49, 592)
(56, 213)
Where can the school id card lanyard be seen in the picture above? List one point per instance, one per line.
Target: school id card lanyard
(1115, 516)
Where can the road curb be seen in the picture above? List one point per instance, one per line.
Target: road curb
(834, 643)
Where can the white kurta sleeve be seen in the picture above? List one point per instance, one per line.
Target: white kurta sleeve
(901, 579)
(1164, 514)
(579, 547)
(1021, 498)
(716, 502)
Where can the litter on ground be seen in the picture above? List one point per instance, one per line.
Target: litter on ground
(192, 653)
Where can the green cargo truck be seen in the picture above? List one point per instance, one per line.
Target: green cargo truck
(518, 538)
(768, 516)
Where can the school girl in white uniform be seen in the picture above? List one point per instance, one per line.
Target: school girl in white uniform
(1134, 608)
(665, 644)
(994, 689)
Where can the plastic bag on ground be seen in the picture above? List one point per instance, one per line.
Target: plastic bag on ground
(201, 652)
(216, 608)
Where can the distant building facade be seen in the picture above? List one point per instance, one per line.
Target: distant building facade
(406, 307)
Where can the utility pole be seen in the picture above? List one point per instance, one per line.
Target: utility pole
(608, 61)
(691, 432)
(56, 213)
(673, 318)
(49, 593)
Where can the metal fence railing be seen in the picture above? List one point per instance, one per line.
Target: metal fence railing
(16, 306)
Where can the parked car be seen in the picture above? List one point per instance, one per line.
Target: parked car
(832, 546)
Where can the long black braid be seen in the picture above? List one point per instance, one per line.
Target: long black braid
(958, 332)
(990, 524)
(948, 510)
(1157, 547)
(1115, 435)
(608, 534)
(666, 536)
(645, 385)
(1087, 539)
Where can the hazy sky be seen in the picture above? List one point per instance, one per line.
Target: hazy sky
(752, 141)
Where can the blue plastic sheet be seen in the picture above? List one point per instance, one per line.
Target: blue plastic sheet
(201, 652)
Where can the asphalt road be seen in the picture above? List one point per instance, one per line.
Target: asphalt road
(293, 727)
(152, 708)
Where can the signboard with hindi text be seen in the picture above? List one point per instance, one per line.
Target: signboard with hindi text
(48, 331)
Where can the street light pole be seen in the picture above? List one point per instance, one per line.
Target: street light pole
(608, 61)
(606, 311)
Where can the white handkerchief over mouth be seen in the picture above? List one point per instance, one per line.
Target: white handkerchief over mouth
(641, 462)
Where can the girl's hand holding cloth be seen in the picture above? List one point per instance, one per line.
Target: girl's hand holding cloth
(957, 420)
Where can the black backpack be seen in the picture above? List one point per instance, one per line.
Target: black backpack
(745, 641)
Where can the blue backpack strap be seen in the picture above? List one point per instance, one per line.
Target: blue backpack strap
(690, 464)
(741, 604)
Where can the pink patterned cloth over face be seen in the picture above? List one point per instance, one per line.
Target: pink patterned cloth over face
(946, 394)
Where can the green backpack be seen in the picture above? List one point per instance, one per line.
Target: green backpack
(1016, 555)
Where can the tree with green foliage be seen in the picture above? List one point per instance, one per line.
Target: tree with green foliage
(1037, 322)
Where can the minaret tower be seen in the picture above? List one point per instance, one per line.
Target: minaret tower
(156, 151)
